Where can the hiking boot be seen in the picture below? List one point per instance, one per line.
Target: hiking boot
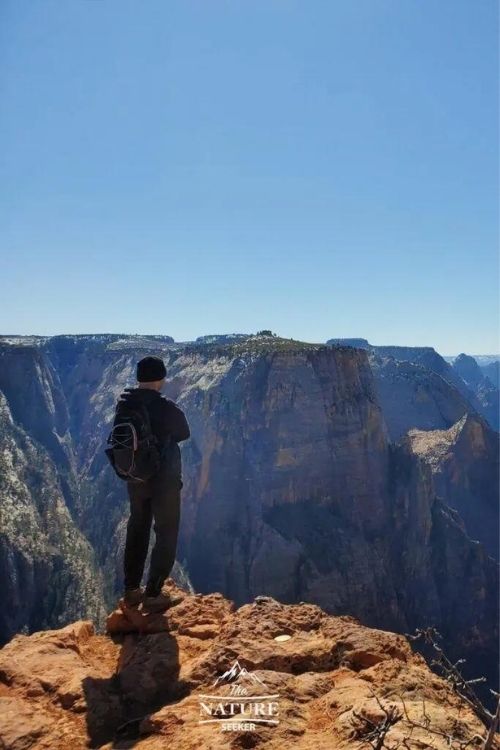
(161, 602)
(133, 597)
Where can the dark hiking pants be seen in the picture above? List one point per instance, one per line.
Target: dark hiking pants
(158, 500)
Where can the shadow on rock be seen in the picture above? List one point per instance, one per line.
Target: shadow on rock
(146, 678)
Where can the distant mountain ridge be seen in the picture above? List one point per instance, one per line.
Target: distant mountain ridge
(427, 402)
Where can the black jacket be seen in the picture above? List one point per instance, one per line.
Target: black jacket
(166, 419)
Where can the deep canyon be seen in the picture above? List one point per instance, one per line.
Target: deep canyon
(358, 478)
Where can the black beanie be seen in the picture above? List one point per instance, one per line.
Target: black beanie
(149, 369)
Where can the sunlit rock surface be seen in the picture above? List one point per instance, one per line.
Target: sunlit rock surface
(71, 688)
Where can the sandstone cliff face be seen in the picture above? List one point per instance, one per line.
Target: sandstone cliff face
(278, 437)
(418, 388)
(425, 356)
(414, 397)
(464, 461)
(331, 681)
(469, 370)
(491, 370)
(32, 387)
(47, 569)
(483, 400)
(443, 576)
(485, 391)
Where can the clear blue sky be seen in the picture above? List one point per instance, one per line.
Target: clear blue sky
(321, 168)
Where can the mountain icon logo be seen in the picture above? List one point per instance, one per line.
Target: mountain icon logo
(241, 702)
(237, 673)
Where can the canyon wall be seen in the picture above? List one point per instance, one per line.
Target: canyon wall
(48, 571)
(292, 486)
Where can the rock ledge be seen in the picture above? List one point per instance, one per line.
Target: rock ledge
(150, 684)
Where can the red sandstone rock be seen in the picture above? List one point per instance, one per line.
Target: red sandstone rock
(69, 689)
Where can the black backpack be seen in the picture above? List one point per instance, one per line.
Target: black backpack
(133, 449)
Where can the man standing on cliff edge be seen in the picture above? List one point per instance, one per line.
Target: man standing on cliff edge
(158, 497)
